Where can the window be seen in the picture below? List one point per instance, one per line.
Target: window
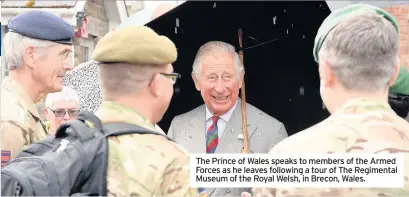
(82, 50)
(87, 52)
(80, 54)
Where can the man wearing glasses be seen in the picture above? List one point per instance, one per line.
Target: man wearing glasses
(38, 50)
(137, 80)
(60, 107)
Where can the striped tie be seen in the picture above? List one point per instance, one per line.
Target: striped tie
(212, 138)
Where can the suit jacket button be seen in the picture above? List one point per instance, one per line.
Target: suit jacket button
(228, 190)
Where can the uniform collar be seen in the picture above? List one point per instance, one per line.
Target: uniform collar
(24, 98)
(111, 111)
(364, 105)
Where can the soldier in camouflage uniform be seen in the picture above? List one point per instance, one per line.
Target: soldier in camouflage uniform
(357, 51)
(137, 85)
(38, 47)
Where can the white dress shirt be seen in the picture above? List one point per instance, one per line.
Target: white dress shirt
(221, 123)
(157, 127)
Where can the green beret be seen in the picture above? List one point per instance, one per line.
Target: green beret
(135, 45)
(342, 14)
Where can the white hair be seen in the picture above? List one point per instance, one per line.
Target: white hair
(215, 46)
(15, 44)
(67, 94)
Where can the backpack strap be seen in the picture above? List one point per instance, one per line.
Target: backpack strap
(115, 129)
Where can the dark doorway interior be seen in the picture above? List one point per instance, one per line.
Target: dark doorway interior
(281, 76)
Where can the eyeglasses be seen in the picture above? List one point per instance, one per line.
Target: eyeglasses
(173, 76)
(64, 56)
(61, 112)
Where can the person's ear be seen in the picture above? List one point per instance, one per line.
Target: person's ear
(241, 78)
(29, 56)
(155, 85)
(47, 114)
(196, 81)
(396, 70)
(327, 74)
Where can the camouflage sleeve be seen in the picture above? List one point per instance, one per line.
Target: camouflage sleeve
(176, 179)
(266, 191)
(13, 138)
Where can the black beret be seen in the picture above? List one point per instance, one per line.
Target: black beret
(42, 25)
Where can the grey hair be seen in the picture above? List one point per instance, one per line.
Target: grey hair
(15, 44)
(67, 94)
(362, 51)
(218, 46)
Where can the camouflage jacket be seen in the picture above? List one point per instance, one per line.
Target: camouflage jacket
(359, 126)
(144, 165)
(20, 122)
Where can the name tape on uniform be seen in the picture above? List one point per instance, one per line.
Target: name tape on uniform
(307, 170)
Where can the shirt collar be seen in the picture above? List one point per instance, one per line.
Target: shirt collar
(225, 116)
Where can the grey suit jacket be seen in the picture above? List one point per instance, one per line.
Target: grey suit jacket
(264, 131)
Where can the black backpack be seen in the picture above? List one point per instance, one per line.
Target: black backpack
(71, 163)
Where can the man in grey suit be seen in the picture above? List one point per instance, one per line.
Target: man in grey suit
(216, 126)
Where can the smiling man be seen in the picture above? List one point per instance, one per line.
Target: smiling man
(38, 47)
(215, 127)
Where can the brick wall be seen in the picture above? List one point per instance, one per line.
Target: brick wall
(401, 13)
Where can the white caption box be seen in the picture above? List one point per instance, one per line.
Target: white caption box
(308, 170)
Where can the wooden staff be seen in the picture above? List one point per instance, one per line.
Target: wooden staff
(243, 99)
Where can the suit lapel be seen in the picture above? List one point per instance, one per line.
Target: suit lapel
(196, 132)
(230, 142)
